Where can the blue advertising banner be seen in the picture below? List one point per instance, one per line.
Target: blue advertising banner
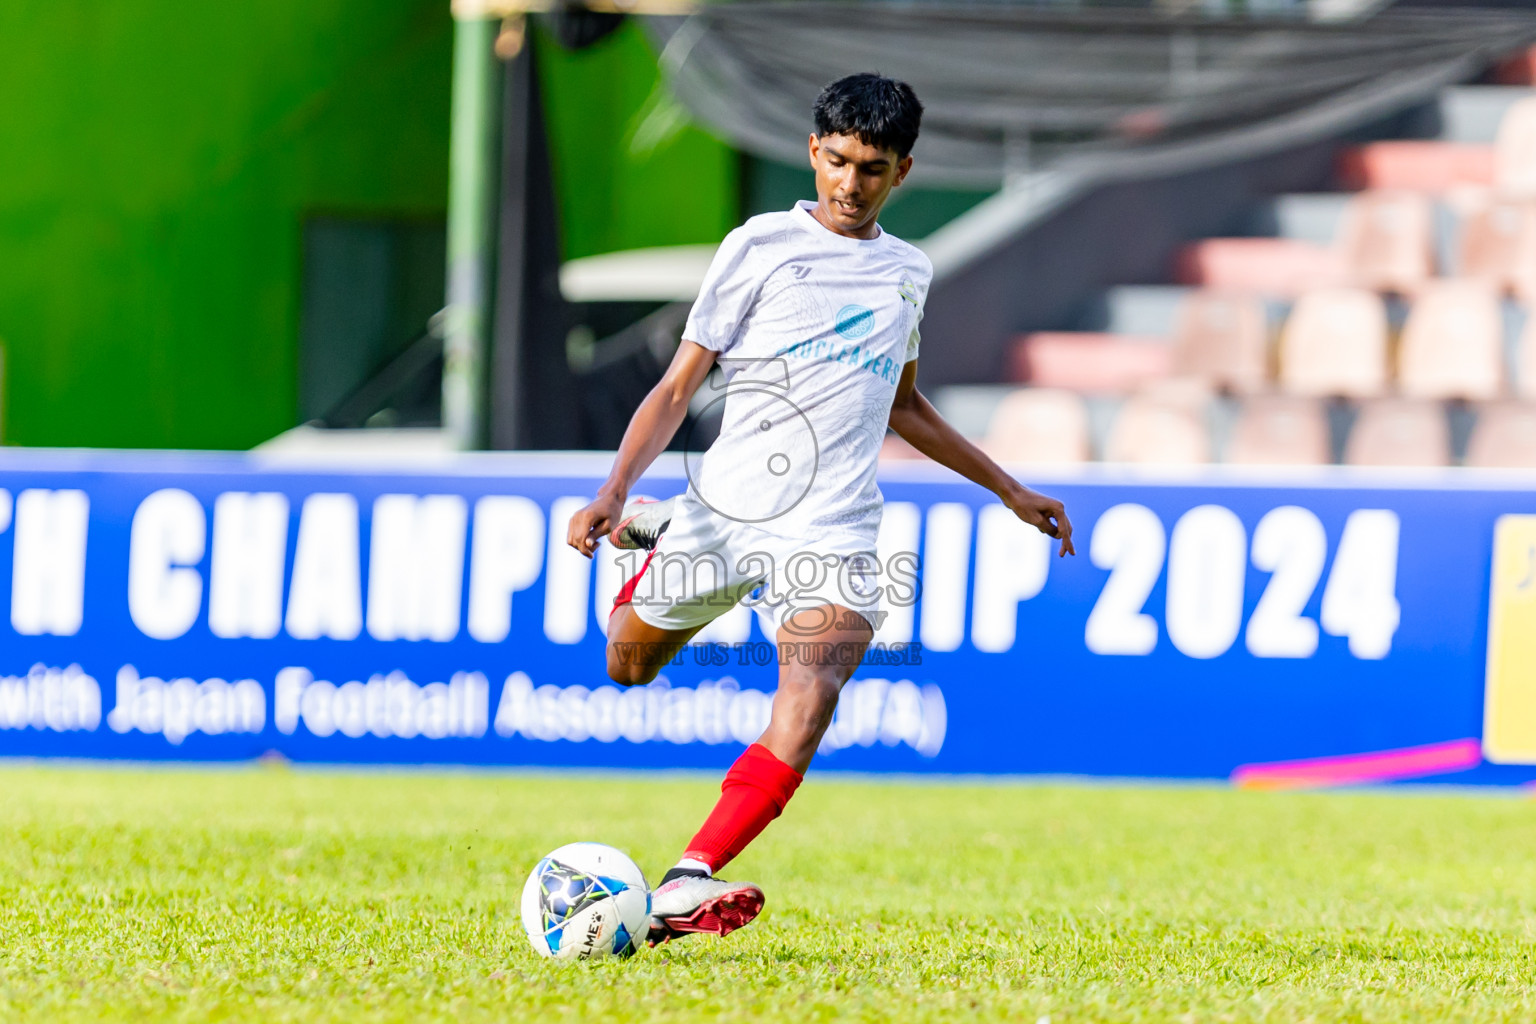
(1278, 630)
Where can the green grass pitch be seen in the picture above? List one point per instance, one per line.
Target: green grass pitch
(290, 895)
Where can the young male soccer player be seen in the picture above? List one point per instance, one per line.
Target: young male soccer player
(812, 315)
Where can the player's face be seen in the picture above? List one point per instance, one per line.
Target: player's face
(853, 180)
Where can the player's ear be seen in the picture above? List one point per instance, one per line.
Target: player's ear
(902, 167)
(813, 146)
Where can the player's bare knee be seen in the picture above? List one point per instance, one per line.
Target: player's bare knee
(627, 670)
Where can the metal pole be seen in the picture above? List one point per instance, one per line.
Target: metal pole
(470, 181)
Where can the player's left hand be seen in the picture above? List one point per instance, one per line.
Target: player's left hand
(1045, 514)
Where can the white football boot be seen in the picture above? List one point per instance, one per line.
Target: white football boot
(642, 523)
(696, 904)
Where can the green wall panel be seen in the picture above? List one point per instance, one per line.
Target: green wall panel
(630, 171)
(157, 161)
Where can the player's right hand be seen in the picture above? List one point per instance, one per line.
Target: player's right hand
(591, 524)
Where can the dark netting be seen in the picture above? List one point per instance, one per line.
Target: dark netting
(1009, 89)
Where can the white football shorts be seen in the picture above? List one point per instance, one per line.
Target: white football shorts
(706, 563)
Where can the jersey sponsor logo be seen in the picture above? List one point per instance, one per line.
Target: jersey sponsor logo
(908, 291)
(800, 271)
(855, 321)
(880, 365)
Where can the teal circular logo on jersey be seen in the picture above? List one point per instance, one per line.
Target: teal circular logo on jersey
(855, 321)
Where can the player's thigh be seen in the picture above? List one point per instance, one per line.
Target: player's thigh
(637, 649)
(648, 631)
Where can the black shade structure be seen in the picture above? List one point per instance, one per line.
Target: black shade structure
(1011, 88)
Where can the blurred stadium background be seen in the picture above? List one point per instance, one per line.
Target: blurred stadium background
(319, 318)
(1263, 233)
(1213, 270)
(1216, 272)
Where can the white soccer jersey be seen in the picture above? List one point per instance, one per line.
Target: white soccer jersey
(813, 329)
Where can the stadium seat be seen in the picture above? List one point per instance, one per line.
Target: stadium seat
(1280, 430)
(1335, 343)
(1089, 361)
(1223, 338)
(1498, 243)
(1038, 425)
(1399, 432)
(1386, 241)
(1453, 343)
(1515, 170)
(1164, 424)
(1263, 266)
(1416, 165)
(1505, 437)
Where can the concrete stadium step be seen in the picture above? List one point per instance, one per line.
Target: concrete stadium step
(1417, 165)
(1151, 310)
(1307, 217)
(1317, 219)
(1462, 155)
(969, 407)
(1471, 113)
(1089, 361)
(1145, 310)
(1264, 266)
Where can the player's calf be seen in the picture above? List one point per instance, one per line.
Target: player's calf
(802, 711)
(818, 654)
(761, 782)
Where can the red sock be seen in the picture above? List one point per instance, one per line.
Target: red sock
(626, 593)
(754, 792)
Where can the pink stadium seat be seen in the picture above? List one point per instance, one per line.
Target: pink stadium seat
(1280, 430)
(1038, 425)
(1516, 164)
(1165, 424)
(1223, 338)
(1498, 243)
(1386, 240)
(1089, 361)
(1335, 343)
(1416, 166)
(1399, 432)
(1453, 343)
(1264, 266)
(1505, 437)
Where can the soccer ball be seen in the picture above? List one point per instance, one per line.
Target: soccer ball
(586, 901)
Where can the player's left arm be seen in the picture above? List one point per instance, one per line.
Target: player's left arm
(921, 426)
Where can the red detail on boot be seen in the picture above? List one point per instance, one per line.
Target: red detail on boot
(754, 792)
(627, 591)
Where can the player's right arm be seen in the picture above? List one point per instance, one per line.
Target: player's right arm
(650, 431)
(727, 293)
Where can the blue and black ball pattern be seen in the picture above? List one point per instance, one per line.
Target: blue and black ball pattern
(565, 892)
